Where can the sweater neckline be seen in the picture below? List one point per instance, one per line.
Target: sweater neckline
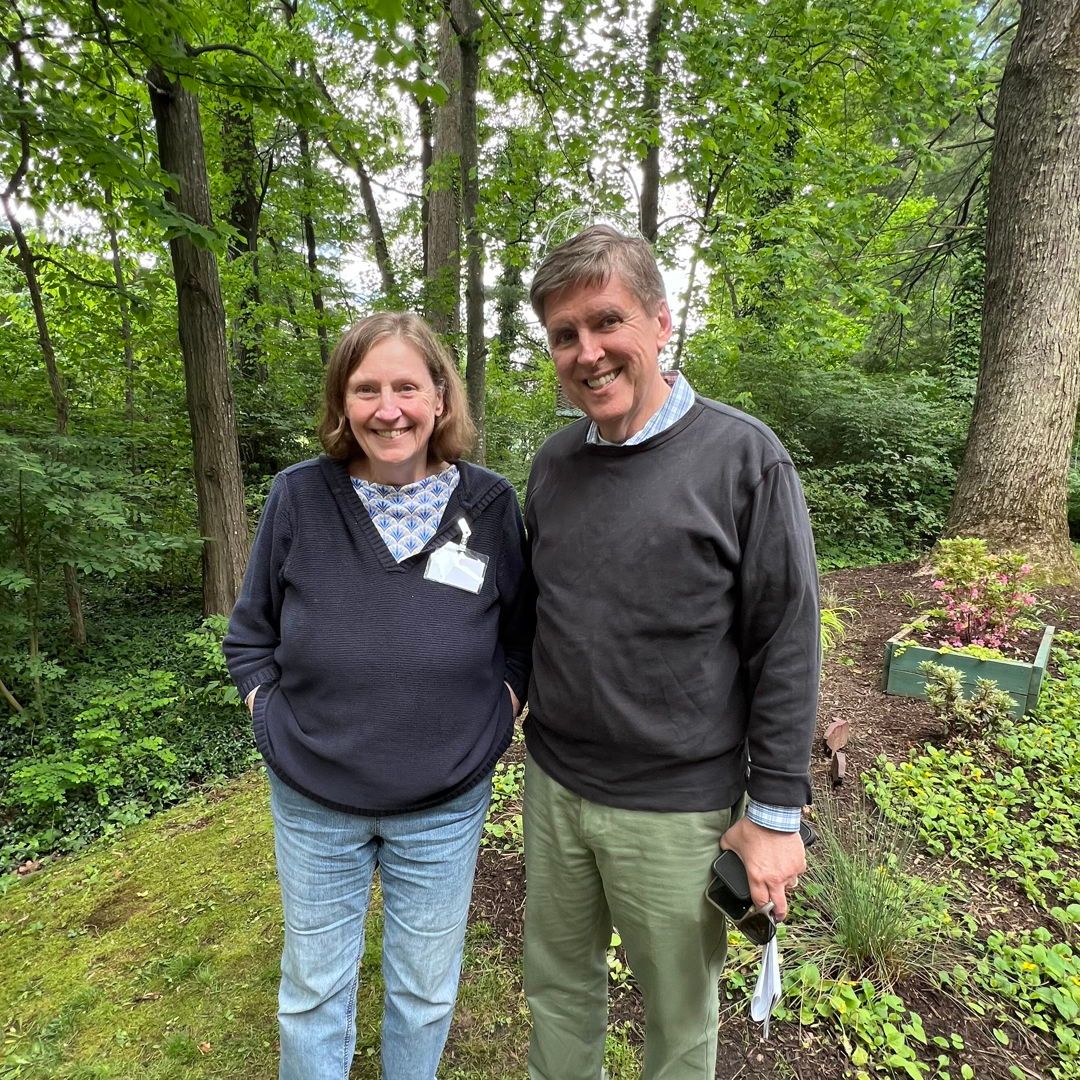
(469, 497)
(621, 449)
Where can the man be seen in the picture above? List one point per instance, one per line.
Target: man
(675, 669)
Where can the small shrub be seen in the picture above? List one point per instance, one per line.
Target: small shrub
(987, 710)
(117, 747)
(982, 594)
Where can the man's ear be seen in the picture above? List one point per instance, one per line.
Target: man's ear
(663, 315)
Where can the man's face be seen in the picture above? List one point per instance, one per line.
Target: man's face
(605, 347)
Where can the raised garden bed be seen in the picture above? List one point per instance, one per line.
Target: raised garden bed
(1021, 679)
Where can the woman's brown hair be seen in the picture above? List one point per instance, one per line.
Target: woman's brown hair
(454, 435)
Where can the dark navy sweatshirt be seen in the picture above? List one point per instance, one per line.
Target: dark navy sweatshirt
(380, 692)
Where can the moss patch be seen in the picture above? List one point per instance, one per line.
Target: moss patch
(157, 957)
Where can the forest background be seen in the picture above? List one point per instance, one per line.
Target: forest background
(199, 199)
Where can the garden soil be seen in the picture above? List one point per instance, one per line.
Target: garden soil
(884, 598)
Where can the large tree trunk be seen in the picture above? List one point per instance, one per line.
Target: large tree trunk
(650, 165)
(476, 350)
(442, 288)
(1012, 485)
(201, 323)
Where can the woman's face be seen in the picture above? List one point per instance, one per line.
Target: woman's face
(391, 404)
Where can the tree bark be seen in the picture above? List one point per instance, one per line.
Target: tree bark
(310, 247)
(306, 222)
(378, 235)
(1012, 485)
(125, 320)
(442, 287)
(423, 108)
(650, 165)
(476, 349)
(239, 162)
(510, 294)
(201, 324)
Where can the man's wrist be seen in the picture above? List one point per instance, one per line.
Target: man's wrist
(777, 818)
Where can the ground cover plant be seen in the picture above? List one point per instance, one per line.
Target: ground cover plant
(154, 953)
(126, 729)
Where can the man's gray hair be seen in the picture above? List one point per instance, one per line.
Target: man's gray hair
(591, 259)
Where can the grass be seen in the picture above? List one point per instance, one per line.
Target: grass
(156, 957)
(868, 917)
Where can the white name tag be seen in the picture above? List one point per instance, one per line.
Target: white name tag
(457, 566)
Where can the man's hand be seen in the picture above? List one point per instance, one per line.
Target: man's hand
(249, 701)
(773, 861)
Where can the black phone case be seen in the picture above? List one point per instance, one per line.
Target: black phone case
(729, 889)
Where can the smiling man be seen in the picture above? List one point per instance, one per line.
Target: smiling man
(675, 671)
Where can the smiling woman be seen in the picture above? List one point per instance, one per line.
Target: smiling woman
(392, 404)
(382, 641)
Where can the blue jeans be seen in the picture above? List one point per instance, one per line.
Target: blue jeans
(325, 863)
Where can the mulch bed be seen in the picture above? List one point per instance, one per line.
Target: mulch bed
(883, 597)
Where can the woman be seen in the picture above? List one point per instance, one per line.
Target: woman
(382, 642)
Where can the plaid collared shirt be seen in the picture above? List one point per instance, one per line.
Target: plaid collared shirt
(677, 404)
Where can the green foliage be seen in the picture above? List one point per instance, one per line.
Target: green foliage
(835, 616)
(986, 711)
(66, 503)
(1010, 807)
(1029, 968)
(120, 744)
(521, 415)
(502, 828)
(876, 454)
(877, 1031)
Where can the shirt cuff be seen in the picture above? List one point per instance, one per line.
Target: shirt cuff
(777, 818)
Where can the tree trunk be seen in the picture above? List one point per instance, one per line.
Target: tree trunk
(423, 108)
(306, 222)
(239, 162)
(201, 324)
(312, 251)
(510, 294)
(650, 165)
(442, 288)
(125, 321)
(72, 592)
(476, 350)
(378, 236)
(1012, 484)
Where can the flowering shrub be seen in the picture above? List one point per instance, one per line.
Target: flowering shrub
(982, 594)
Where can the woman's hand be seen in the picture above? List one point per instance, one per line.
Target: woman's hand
(513, 698)
(249, 701)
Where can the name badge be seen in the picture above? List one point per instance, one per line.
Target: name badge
(455, 565)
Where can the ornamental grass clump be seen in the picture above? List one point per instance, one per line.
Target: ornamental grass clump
(982, 595)
(870, 916)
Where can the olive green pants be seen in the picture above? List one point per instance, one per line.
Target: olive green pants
(588, 866)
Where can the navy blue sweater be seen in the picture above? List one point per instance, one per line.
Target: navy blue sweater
(381, 692)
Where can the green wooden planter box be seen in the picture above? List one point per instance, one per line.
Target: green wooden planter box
(1021, 680)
